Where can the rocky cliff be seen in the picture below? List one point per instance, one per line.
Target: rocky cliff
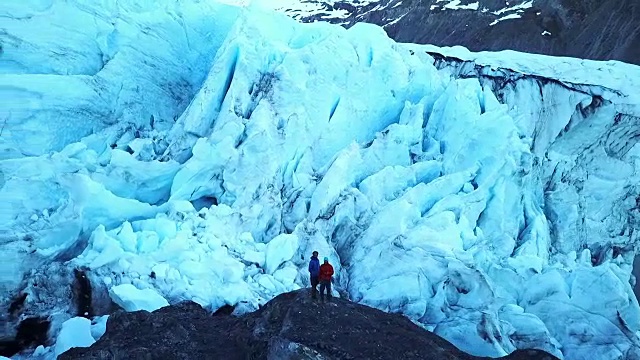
(592, 29)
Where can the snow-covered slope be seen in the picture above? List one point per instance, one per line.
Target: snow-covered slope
(490, 197)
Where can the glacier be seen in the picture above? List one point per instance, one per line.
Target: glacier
(199, 151)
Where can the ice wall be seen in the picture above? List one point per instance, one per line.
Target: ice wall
(490, 198)
(584, 140)
(73, 75)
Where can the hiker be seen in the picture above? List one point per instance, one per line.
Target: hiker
(314, 272)
(326, 272)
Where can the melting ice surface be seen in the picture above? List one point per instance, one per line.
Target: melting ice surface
(202, 152)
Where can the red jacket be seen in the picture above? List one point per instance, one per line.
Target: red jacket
(326, 272)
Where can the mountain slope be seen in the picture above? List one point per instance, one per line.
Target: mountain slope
(290, 326)
(491, 197)
(591, 29)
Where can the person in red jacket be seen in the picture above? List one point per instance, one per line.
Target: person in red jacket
(326, 273)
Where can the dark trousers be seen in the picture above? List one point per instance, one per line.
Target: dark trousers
(325, 285)
(314, 286)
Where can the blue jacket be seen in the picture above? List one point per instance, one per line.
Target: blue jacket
(314, 266)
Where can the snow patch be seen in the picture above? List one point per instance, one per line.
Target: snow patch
(457, 5)
(506, 17)
(518, 8)
(299, 9)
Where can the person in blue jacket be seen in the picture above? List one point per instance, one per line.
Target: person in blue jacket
(314, 272)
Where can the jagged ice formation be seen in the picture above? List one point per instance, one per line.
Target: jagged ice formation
(204, 151)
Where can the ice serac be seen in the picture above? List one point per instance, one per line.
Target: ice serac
(489, 197)
(75, 332)
(115, 77)
(130, 298)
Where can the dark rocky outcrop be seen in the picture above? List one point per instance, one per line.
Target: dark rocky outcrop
(29, 318)
(82, 294)
(591, 29)
(31, 332)
(291, 326)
